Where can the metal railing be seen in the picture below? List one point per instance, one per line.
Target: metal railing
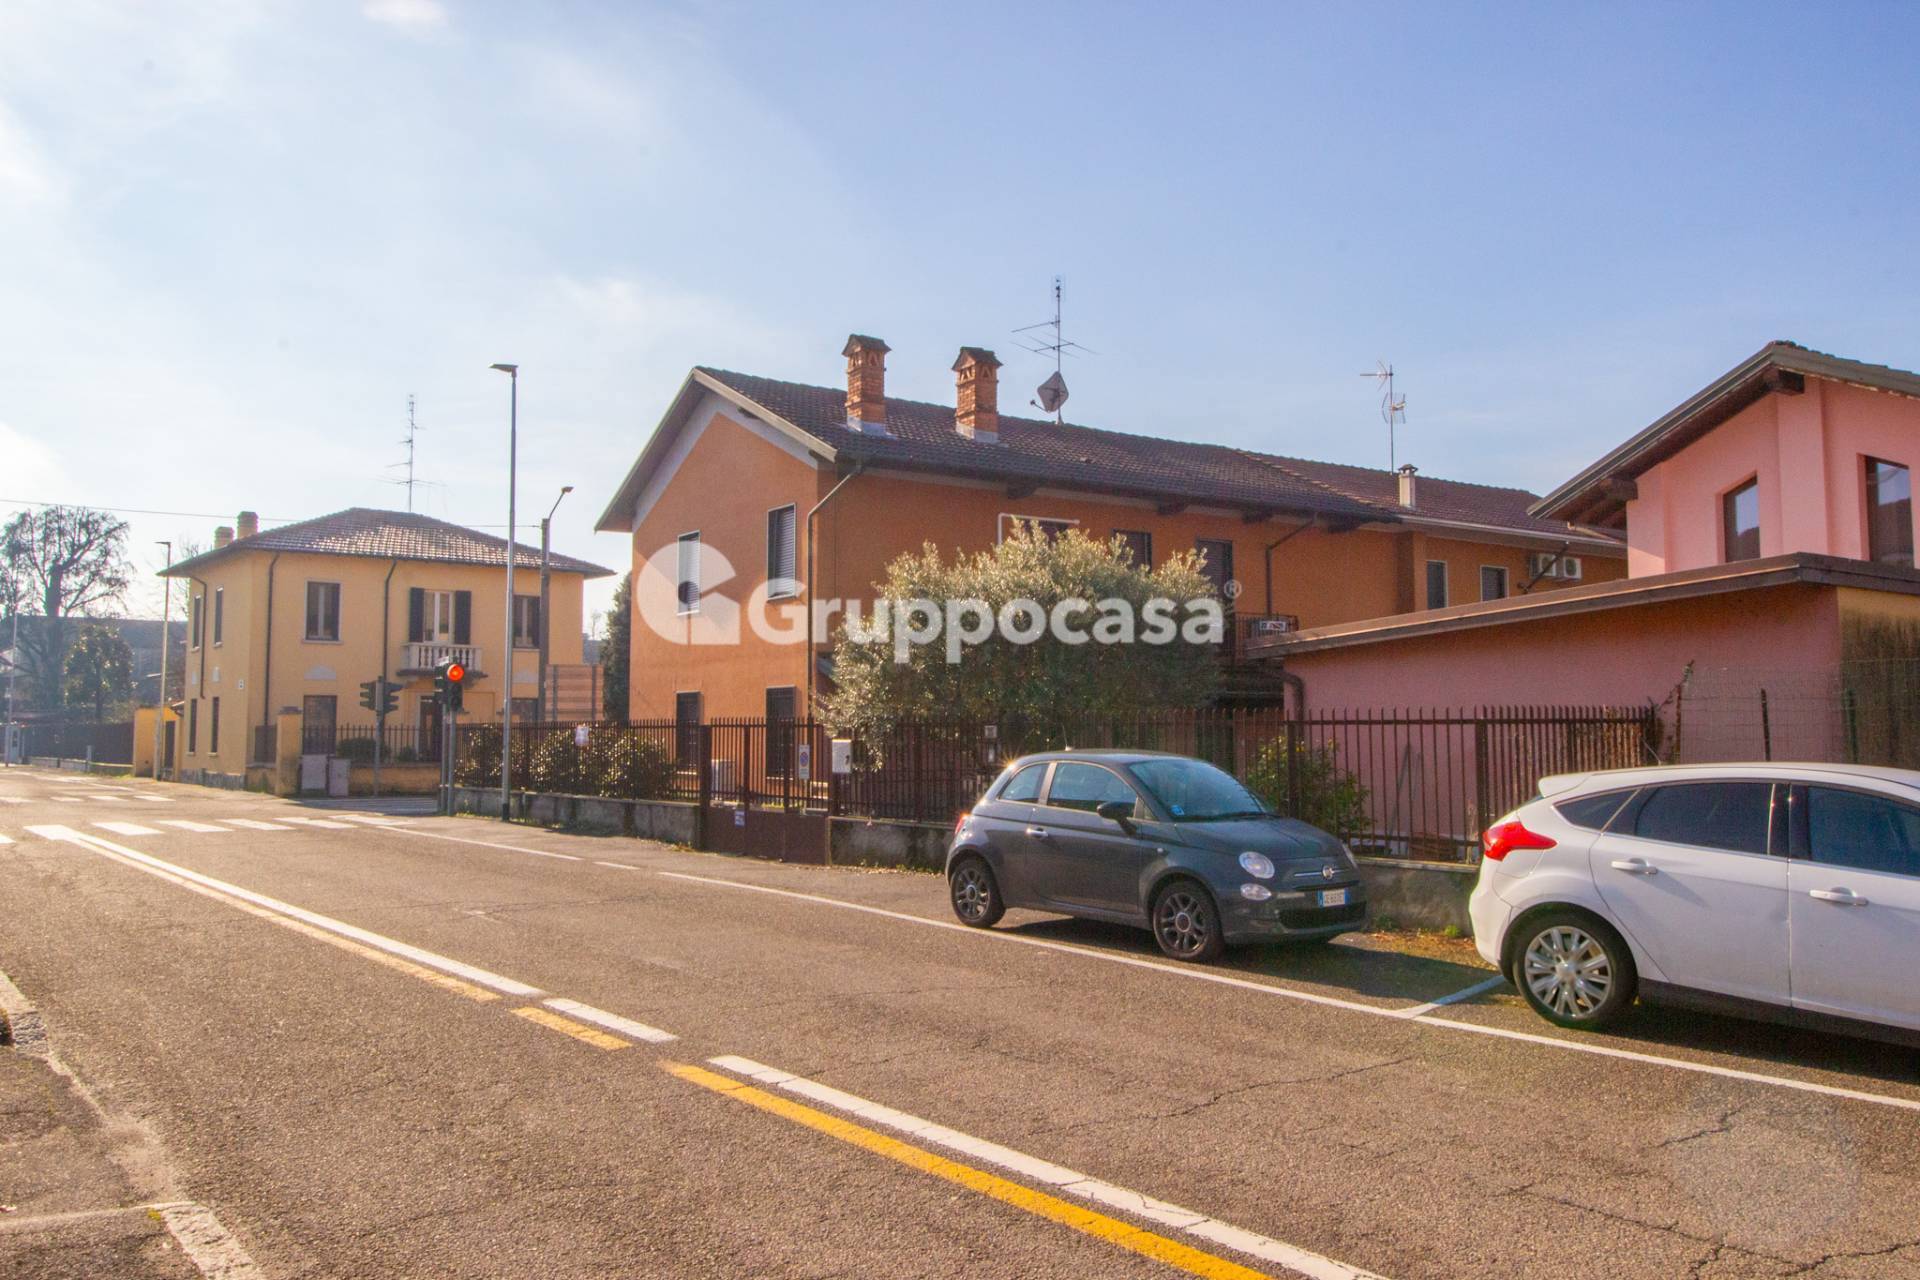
(425, 655)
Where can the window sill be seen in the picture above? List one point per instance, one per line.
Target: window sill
(320, 640)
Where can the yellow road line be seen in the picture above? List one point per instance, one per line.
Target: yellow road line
(1099, 1225)
(568, 1027)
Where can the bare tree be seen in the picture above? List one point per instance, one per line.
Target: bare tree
(60, 562)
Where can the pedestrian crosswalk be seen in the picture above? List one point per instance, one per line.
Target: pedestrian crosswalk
(199, 827)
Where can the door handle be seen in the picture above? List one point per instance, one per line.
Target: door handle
(1038, 833)
(1842, 897)
(1636, 866)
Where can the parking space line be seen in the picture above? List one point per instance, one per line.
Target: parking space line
(1070, 1181)
(617, 866)
(487, 844)
(1468, 993)
(568, 1027)
(1134, 1239)
(1399, 1015)
(611, 1021)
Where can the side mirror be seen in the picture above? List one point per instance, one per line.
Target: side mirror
(1120, 811)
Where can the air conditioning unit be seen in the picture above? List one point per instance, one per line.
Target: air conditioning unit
(1541, 564)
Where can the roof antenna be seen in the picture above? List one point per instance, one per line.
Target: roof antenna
(1052, 393)
(410, 482)
(1392, 408)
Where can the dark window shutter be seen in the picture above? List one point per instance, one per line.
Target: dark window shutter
(463, 617)
(416, 614)
(533, 610)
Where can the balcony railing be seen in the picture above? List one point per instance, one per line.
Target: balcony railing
(419, 656)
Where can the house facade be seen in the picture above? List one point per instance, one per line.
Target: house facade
(299, 616)
(761, 497)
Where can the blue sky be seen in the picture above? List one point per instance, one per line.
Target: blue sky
(237, 236)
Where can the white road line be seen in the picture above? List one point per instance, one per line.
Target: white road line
(254, 824)
(617, 866)
(210, 1246)
(370, 819)
(1398, 1015)
(106, 798)
(488, 844)
(188, 824)
(70, 799)
(1058, 1177)
(1468, 993)
(6, 839)
(168, 870)
(126, 828)
(611, 1021)
(155, 799)
(327, 823)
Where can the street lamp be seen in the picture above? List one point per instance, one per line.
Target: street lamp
(506, 698)
(546, 527)
(166, 643)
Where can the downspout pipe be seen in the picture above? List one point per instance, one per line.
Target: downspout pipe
(266, 680)
(813, 511)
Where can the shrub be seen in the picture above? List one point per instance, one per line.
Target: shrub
(358, 750)
(1330, 797)
(551, 763)
(477, 760)
(620, 763)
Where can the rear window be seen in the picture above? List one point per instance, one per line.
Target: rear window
(1713, 815)
(1593, 812)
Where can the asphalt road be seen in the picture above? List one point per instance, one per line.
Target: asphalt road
(390, 1047)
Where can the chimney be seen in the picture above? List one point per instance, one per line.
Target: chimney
(866, 383)
(222, 536)
(977, 409)
(248, 524)
(1407, 473)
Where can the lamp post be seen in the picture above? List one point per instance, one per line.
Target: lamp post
(546, 530)
(506, 698)
(166, 643)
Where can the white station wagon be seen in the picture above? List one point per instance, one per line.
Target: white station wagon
(1789, 892)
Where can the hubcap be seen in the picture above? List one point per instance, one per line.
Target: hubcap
(1182, 923)
(970, 893)
(1567, 971)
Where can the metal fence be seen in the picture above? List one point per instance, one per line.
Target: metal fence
(1859, 713)
(1397, 783)
(111, 743)
(400, 743)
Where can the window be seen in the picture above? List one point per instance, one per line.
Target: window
(689, 573)
(1025, 787)
(1087, 787)
(193, 726)
(780, 712)
(1868, 832)
(1740, 522)
(1436, 584)
(1889, 513)
(323, 611)
(686, 726)
(782, 582)
(213, 720)
(1216, 564)
(1139, 546)
(1713, 815)
(1195, 791)
(526, 711)
(1493, 582)
(526, 622)
(1048, 529)
(195, 624)
(219, 616)
(1593, 812)
(319, 714)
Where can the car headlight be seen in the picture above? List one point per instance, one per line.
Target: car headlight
(1257, 865)
(1255, 892)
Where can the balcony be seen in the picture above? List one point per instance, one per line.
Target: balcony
(422, 657)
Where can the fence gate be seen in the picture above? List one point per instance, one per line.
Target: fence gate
(761, 793)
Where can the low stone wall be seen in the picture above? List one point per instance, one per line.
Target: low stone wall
(667, 820)
(208, 778)
(874, 842)
(409, 779)
(67, 764)
(1423, 895)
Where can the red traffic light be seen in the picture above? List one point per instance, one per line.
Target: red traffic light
(456, 673)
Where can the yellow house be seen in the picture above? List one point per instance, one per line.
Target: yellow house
(299, 616)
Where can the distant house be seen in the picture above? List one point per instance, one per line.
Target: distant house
(1770, 532)
(808, 492)
(301, 615)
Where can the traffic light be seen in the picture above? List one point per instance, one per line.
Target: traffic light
(369, 694)
(450, 683)
(389, 697)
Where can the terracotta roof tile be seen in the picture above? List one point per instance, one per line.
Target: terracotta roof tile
(386, 535)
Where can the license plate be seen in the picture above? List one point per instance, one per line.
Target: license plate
(1333, 897)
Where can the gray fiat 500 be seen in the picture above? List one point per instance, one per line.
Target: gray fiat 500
(1165, 842)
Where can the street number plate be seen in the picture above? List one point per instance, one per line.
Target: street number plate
(1333, 897)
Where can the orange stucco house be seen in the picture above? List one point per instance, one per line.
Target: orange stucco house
(1770, 532)
(760, 495)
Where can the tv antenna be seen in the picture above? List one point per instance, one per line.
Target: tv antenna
(1393, 408)
(1052, 393)
(410, 482)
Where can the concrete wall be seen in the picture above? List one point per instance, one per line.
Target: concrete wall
(669, 821)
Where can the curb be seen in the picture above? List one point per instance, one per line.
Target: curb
(20, 1024)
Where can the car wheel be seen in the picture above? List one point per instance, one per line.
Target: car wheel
(1185, 922)
(1574, 970)
(975, 893)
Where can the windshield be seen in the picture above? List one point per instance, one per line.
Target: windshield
(1193, 791)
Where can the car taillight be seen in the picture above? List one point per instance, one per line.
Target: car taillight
(961, 821)
(1503, 838)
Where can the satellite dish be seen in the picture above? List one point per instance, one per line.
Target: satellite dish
(1053, 393)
